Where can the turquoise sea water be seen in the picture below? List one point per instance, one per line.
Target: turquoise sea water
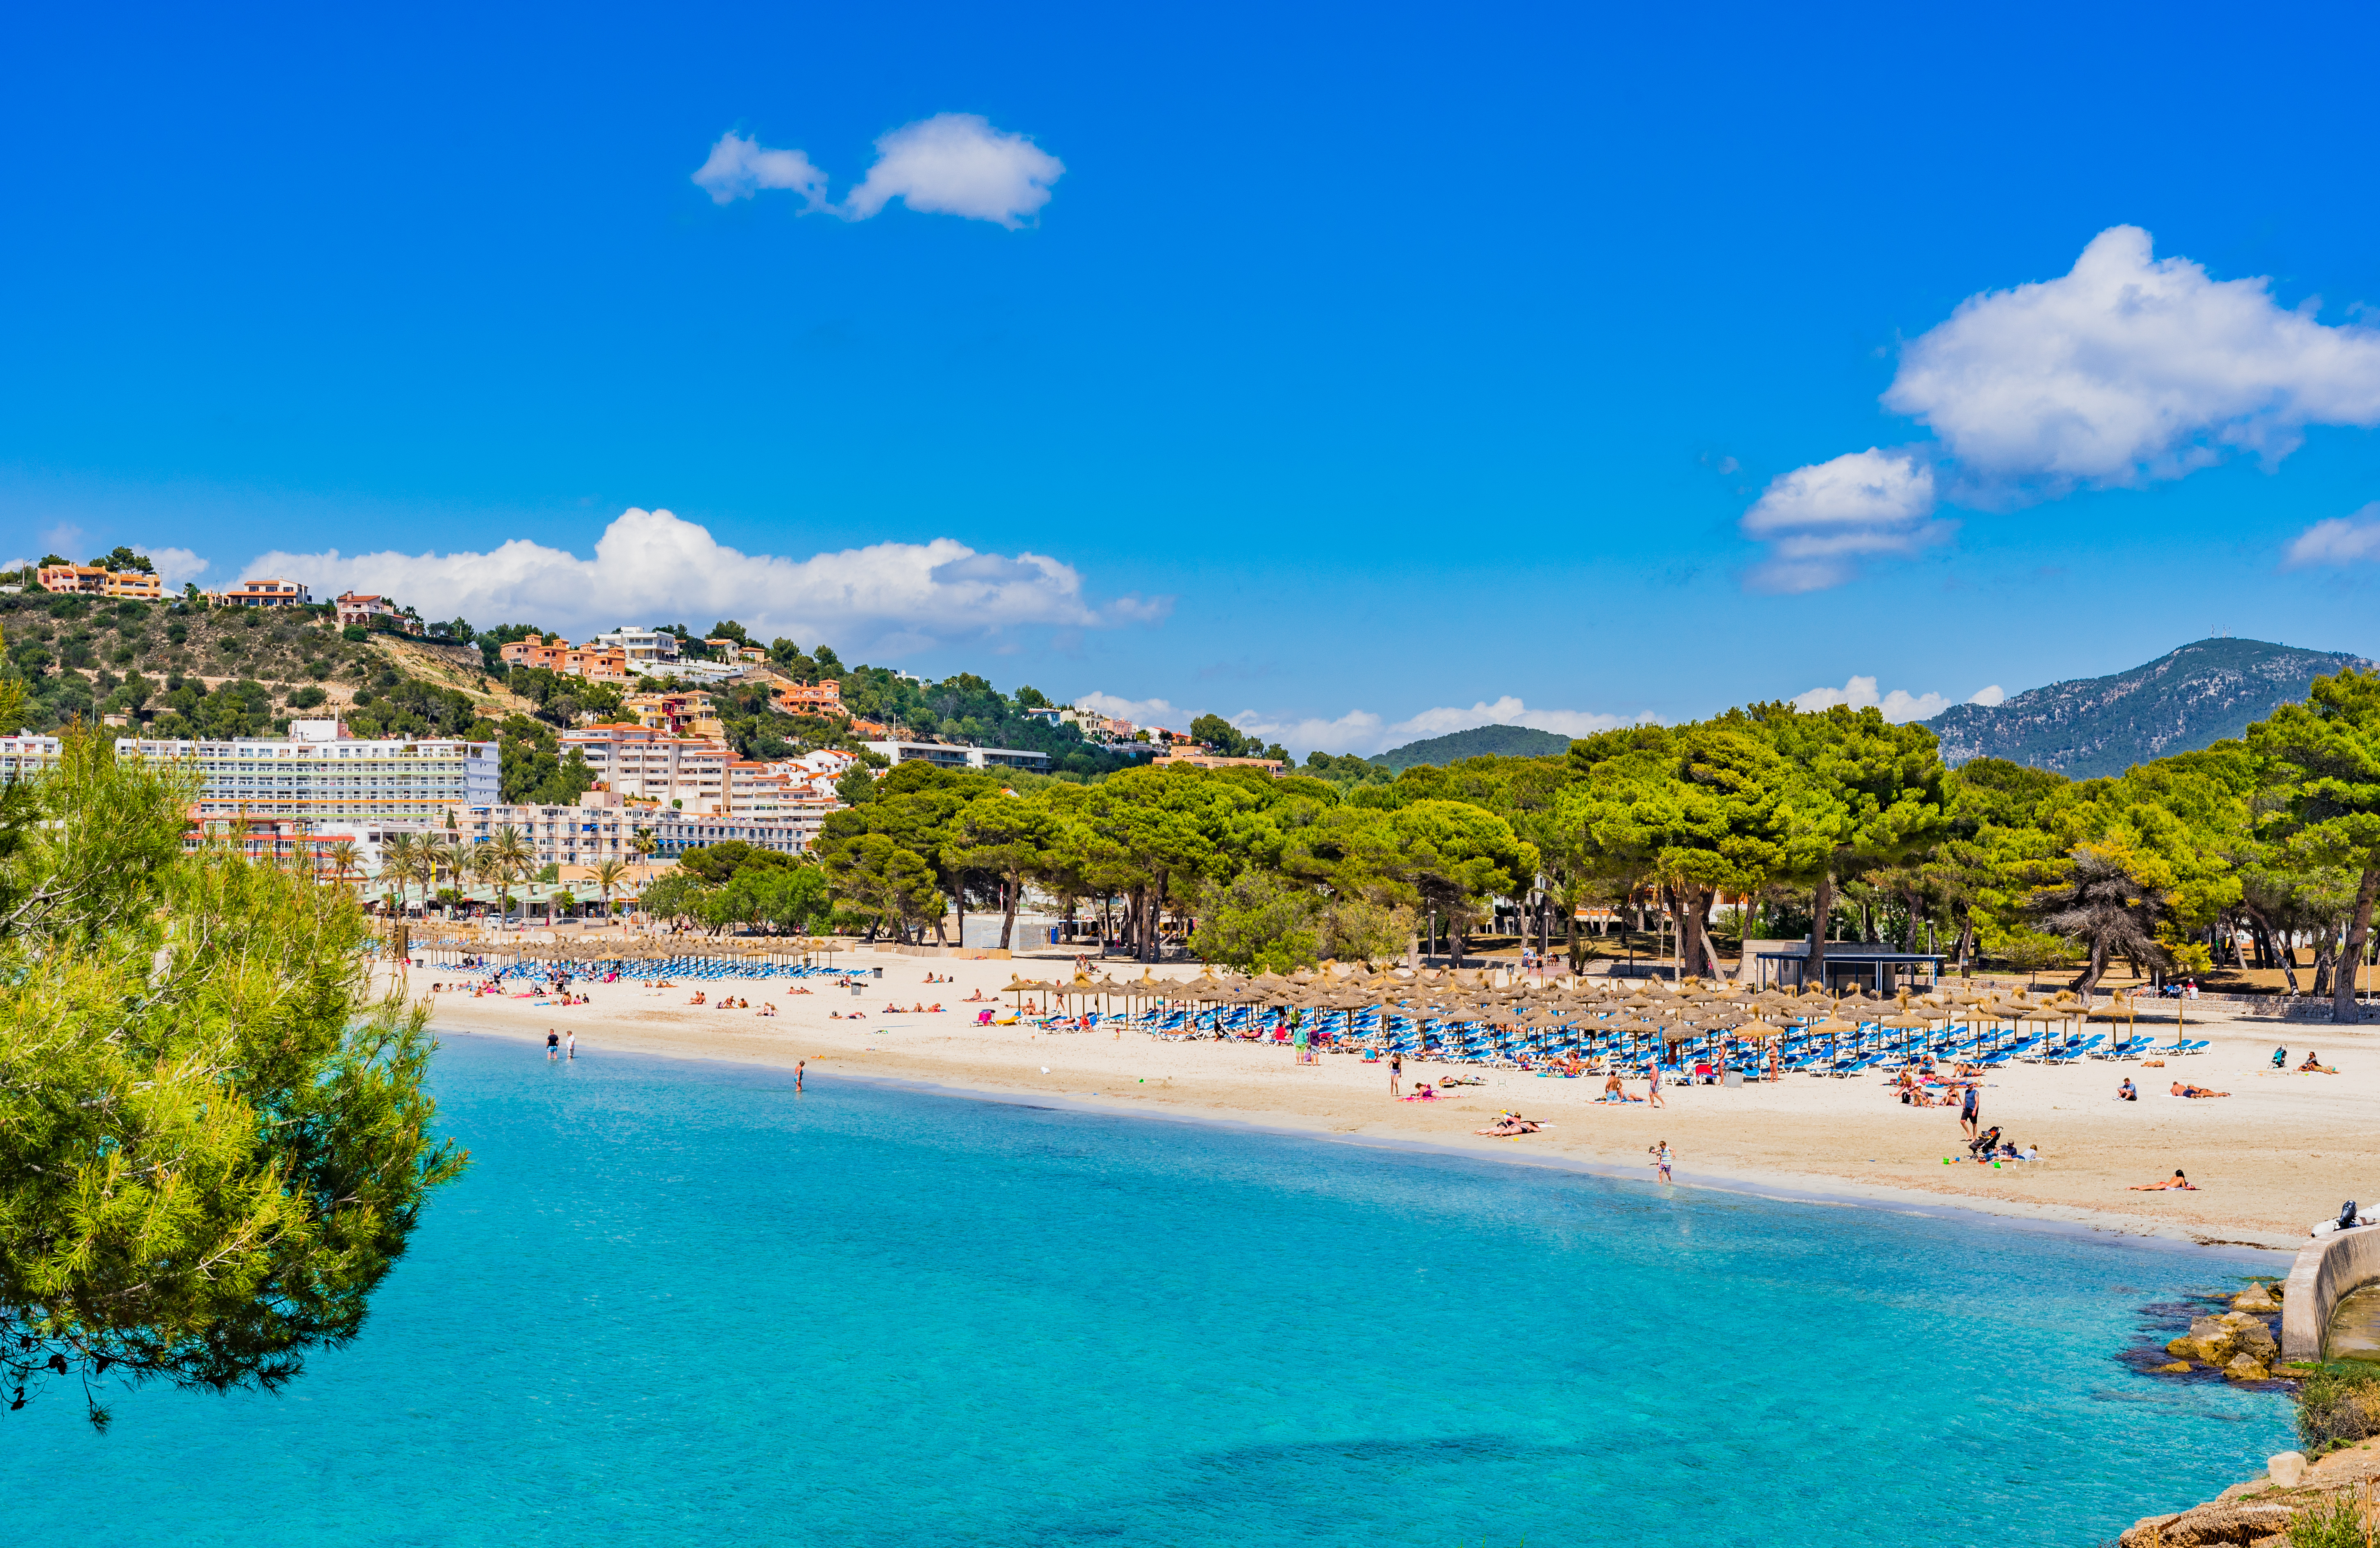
(673, 1303)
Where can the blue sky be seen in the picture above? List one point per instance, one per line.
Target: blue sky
(1361, 366)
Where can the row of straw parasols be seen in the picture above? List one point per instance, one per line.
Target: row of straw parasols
(1597, 1005)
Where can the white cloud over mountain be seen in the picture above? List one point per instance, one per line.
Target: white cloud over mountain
(2125, 370)
(2339, 541)
(954, 164)
(1360, 731)
(1899, 706)
(651, 567)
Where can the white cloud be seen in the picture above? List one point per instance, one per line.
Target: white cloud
(175, 566)
(1360, 731)
(738, 168)
(1988, 696)
(956, 164)
(1140, 713)
(17, 564)
(2130, 368)
(2339, 541)
(2127, 369)
(651, 567)
(1860, 694)
(1819, 520)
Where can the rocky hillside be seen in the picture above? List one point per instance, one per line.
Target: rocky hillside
(2094, 726)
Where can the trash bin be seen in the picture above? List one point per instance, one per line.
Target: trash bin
(878, 972)
(1734, 1078)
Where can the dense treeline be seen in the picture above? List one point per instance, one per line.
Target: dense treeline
(1835, 816)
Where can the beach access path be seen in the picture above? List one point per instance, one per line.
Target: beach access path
(2278, 1155)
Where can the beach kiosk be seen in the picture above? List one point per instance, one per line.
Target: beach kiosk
(1853, 965)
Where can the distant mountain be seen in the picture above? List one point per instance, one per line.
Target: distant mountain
(1511, 742)
(2178, 702)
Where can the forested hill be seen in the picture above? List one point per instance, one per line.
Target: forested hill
(1511, 741)
(2094, 726)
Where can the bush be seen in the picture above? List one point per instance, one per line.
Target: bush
(2337, 1522)
(307, 698)
(2339, 1404)
(356, 632)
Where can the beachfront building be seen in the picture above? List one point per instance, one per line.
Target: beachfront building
(318, 773)
(640, 763)
(948, 755)
(271, 592)
(601, 827)
(98, 580)
(361, 610)
(648, 652)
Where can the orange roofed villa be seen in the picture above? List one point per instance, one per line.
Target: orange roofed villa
(595, 661)
(98, 580)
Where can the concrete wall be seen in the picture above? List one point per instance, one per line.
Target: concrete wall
(2325, 1270)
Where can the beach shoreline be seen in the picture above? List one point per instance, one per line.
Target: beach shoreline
(2268, 1160)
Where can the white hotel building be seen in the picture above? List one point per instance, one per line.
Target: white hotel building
(316, 774)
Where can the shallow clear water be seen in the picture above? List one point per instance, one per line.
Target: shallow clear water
(673, 1303)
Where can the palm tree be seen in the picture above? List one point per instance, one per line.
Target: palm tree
(607, 876)
(515, 855)
(395, 868)
(2101, 902)
(646, 843)
(485, 867)
(343, 859)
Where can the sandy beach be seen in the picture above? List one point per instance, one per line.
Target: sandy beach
(2282, 1152)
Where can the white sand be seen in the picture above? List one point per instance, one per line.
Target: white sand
(2281, 1153)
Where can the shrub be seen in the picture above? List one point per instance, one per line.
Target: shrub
(2339, 1404)
(2337, 1522)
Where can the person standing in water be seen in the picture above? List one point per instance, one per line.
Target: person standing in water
(797, 1075)
(1396, 1072)
(553, 1044)
(570, 1045)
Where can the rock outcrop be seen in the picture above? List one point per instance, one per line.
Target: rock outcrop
(2257, 1514)
(2240, 1343)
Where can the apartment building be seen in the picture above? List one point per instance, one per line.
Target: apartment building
(270, 592)
(648, 651)
(640, 763)
(318, 773)
(98, 580)
(358, 609)
(596, 662)
(691, 713)
(950, 756)
(809, 698)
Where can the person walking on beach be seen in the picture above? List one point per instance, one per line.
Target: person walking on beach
(1653, 1090)
(1396, 1073)
(553, 1044)
(1661, 1160)
(1970, 1112)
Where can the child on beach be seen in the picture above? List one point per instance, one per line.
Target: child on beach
(1659, 1151)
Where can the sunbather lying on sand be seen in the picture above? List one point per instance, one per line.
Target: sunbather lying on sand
(2183, 1088)
(2313, 1065)
(1506, 1126)
(699, 996)
(1421, 1093)
(2176, 1181)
